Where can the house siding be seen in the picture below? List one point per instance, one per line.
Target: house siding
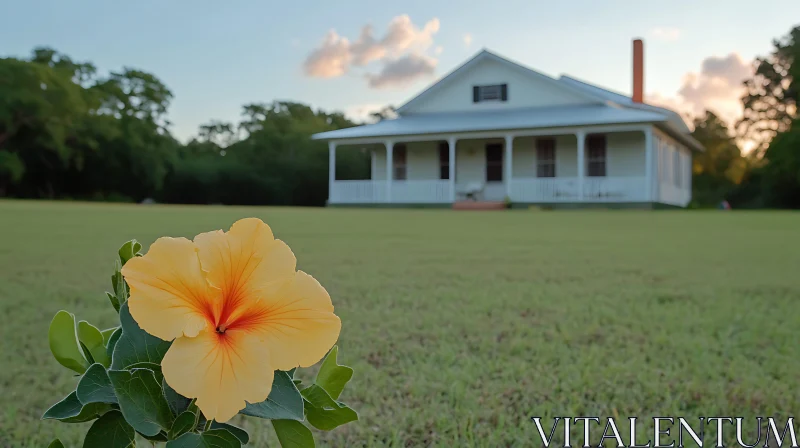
(422, 161)
(524, 90)
(625, 154)
(625, 157)
(673, 171)
(471, 161)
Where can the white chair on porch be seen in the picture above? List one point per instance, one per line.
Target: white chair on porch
(472, 190)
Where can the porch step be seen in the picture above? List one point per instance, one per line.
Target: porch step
(479, 205)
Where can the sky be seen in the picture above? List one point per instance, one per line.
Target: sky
(358, 56)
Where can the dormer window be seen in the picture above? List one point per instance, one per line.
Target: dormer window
(490, 93)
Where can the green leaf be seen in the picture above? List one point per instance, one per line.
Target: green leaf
(284, 401)
(155, 368)
(113, 298)
(92, 338)
(107, 333)
(95, 386)
(120, 287)
(240, 433)
(56, 444)
(293, 434)
(182, 424)
(213, 438)
(112, 341)
(323, 412)
(141, 400)
(86, 353)
(71, 410)
(160, 437)
(129, 250)
(111, 431)
(177, 402)
(64, 342)
(135, 345)
(333, 377)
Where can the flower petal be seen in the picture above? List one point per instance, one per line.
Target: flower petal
(169, 294)
(245, 263)
(297, 323)
(221, 370)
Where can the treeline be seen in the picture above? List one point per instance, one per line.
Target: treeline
(769, 175)
(68, 133)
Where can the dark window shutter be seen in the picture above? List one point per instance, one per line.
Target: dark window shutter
(476, 91)
(504, 92)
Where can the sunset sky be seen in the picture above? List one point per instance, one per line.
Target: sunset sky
(358, 56)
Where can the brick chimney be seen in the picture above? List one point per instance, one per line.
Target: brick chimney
(638, 71)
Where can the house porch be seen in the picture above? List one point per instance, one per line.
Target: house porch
(600, 164)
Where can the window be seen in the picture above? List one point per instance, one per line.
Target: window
(496, 92)
(545, 157)
(494, 162)
(399, 162)
(444, 161)
(677, 167)
(597, 155)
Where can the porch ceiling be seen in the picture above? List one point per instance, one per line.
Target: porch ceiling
(528, 118)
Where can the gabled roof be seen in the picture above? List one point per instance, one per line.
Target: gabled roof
(674, 124)
(622, 100)
(484, 55)
(504, 119)
(603, 107)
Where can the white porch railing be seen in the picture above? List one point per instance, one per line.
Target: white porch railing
(615, 189)
(565, 189)
(403, 192)
(544, 189)
(420, 191)
(358, 192)
(534, 190)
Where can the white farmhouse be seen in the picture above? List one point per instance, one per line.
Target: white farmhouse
(494, 131)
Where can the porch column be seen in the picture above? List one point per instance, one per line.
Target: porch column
(389, 169)
(648, 162)
(581, 135)
(508, 159)
(451, 145)
(331, 170)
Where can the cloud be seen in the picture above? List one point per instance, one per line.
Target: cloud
(398, 52)
(403, 71)
(666, 33)
(467, 39)
(438, 50)
(331, 59)
(717, 87)
(403, 35)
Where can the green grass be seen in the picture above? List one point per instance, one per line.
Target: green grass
(460, 325)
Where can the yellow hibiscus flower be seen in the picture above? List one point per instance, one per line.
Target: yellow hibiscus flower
(236, 309)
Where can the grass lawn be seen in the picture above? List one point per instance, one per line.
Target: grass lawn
(460, 325)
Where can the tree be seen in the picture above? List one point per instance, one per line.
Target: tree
(781, 174)
(717, 170)
(220, 133)
(66, 132)
(386, 113)
(41, 112)
(773, 93)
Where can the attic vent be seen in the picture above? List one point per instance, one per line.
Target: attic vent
(496, 92)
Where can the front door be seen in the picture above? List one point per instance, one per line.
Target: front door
(494, 190)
